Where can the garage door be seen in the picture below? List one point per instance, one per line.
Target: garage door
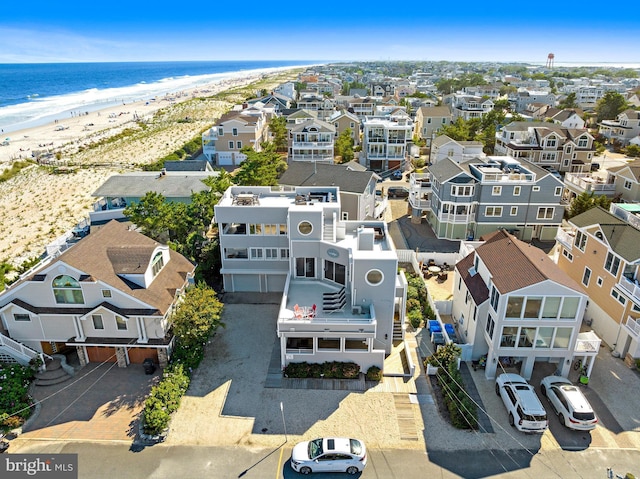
(246, 282)
(99, 354)
(137, 355)
(275, 283)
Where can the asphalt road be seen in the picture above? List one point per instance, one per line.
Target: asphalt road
(111, 460)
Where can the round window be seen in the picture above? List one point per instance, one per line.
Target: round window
(305, 228)
(374, 277)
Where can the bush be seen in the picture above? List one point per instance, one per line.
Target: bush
(164, 399)
(374, 373)
(413, 303)
(462, 410)
(15, 403)
(415, 318)
(329, 369)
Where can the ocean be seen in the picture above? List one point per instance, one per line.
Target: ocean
(35, 94)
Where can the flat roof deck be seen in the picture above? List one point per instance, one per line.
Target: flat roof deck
(306, 293)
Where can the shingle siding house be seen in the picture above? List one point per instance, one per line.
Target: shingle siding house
(311, 140)
(519, 311)
(429, 121)
(477, 197)
(600, 250)
(547, 144)
(339, 279)
(624, 128)
(110, 296)
(457, 151)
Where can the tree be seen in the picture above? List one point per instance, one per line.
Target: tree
(585, 201)
(278, 128)
(569, 101)
(344, 146)
(260, 168)
(150, 214)
(610, 105)
(197, 315)
(633, 151)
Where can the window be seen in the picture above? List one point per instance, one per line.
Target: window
(300, 344)
(21, 317)
(569, 308)
(627, 184)
(493, 211)
(551, 142)
(97, 321)
(231, 145)
(220, 131)
(236, 253)
(306, 267)
(255, 229)
(460, 190)
(621, 299)
(599, 281)
(284, 253)
(234, 132)
(374, 277)
(335, 272)
(121, 324)
(516, 190)
(356, 344)
(238, 145)
(66, 290)
(305, 228)
(490, 325)
(256, 253)
(514, 306)
(544, 337)
(532, 308)
(567, 255)
(514, 211)
(508, 338)
(586, 276)
(527, 336)
(545, 213)
(157, 264)
(271, 230)
(496, 191)
(563, 335)
(495, 298)
(558, 191)
(330, 344)
(551, 307)
(583, 143)
(581, 240)
(612, 264)
(271, 253)
(535, 189)
(106, 293)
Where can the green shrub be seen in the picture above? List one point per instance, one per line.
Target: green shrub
(462, 410)
(414, 303)
(329, 369)
(374, 373)
(412, 293)
(415, 318)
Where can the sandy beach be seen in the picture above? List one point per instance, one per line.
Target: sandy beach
(79, 152)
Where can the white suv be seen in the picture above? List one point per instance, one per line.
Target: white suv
(526, 412)
(572, 407)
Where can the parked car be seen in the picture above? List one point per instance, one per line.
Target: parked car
(526, 412)
(595, 166)
(333, 454)
(397, 175)
(398, 192)
(569, 402)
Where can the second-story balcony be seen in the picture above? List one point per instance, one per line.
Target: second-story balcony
(632, 325)
(631, 288)
(585, 182)
(312, 144)
(565, 238)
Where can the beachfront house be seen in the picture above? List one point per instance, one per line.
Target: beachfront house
(341, 289)
(246, 127)
(477, 197)
(599, 249)
(120, 191)
(520, 311)
(110, 297)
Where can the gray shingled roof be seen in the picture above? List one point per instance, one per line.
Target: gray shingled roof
(444, 170)
(622, 237)
(303, 173)
(171, 185)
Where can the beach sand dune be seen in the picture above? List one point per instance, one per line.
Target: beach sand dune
(51, 196)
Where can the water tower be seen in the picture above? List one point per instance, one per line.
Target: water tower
(550, 58)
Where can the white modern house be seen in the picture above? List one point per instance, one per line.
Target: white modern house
(343, 298)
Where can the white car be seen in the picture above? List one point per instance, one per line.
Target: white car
(332, 454)
(526, 412)
(569, 402)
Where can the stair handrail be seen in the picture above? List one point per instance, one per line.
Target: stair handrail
(23, 350)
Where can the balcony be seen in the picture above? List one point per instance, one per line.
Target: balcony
(565, 238)
(632, 325)
(581, 182)
(587, 342)
(312, 144)
(631, 288)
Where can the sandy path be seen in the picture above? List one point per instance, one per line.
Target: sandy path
(38, 205)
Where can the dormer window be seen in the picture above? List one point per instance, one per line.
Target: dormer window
(67, 290)
(157, 264)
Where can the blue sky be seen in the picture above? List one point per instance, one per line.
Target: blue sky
(69, 30)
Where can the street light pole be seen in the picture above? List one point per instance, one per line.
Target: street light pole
(283, 422)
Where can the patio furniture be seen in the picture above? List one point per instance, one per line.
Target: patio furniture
(434, 269)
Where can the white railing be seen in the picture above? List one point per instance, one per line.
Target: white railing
(22, 354)
(311, 144)
(586, 182)
(565, 238)
(633, 325)
(587, 345)
(422, 204)
(630, 287)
